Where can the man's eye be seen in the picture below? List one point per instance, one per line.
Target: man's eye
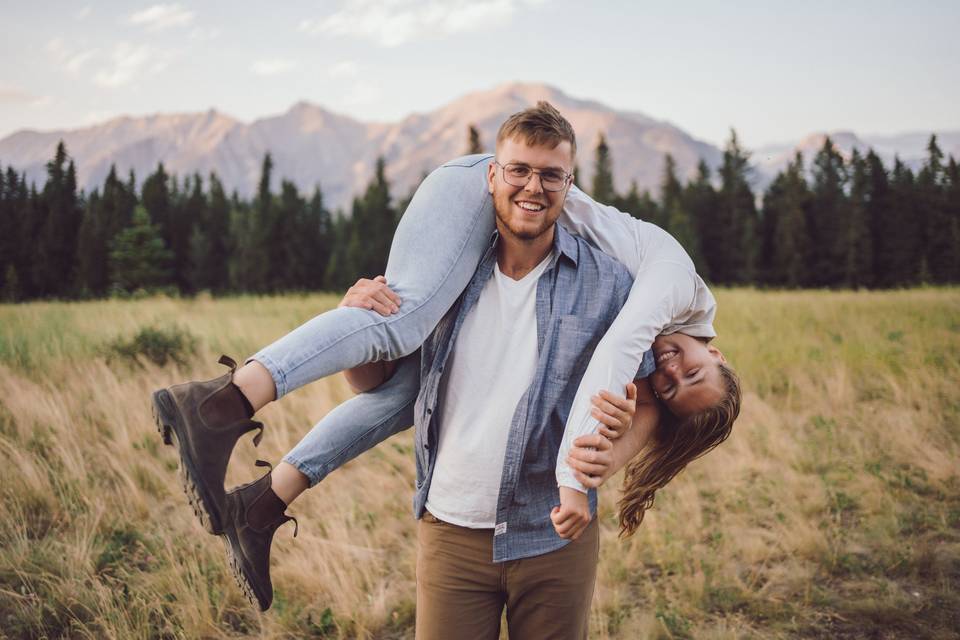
(518, 171)
(552, 176)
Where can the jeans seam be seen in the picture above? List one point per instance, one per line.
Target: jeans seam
(389, 321)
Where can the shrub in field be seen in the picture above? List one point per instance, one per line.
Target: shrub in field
(157, 344)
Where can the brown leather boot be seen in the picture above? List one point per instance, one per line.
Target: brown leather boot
(204, 420)
(254, 514)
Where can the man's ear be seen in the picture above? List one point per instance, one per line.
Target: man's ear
(716, 353)
(491, 175)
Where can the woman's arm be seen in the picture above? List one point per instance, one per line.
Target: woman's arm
(594, 458)
(662, 294)
(666, 291)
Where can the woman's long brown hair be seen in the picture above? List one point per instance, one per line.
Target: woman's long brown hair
(676, 444)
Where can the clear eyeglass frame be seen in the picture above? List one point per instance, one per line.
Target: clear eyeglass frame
(519, 175)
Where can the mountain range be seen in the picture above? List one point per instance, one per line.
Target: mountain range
(311, 145)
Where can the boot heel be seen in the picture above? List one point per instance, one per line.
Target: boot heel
(160, 416)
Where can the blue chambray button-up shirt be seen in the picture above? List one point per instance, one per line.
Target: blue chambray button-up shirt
(578, 297)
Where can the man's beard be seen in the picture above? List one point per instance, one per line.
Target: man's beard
(522, 232)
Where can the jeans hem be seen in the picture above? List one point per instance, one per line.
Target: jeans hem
(279, 378)
(302, 467)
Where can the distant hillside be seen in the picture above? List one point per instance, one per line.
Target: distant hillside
(312, 145)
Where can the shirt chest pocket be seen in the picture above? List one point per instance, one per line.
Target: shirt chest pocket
(576, 339)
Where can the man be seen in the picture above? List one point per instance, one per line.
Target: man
(498, 376)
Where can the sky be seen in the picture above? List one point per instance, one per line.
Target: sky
(775, 71)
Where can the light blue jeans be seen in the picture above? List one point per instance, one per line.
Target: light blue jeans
(437, 246)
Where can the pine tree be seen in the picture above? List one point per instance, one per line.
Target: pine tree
(829, 213)
(8, 230)
(263, 231)
(27, 209)
(372, 225)
(907, 260)
(938, 240)
(92, 260)
(785, 242)
(104, 217)
(858, 241)
(882, 223)
(701, 201)
(675, 216)
(340, 272)
(62, 215)
(603, 190)
(473, 140)
(952, 209)
(291, 213)
(731, 256)
(138, 257)
(155, 196)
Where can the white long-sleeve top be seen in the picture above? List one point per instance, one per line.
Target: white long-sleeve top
(667, 296)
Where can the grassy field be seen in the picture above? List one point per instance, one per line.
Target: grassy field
(833, 510)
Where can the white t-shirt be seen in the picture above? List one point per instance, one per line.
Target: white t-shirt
(490, 368)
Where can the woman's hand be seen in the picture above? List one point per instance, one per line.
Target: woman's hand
(613, 412)
(591, 459)
(374, 295)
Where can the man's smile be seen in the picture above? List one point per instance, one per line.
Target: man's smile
(530, 206)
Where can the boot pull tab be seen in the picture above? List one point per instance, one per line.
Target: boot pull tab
(257, 438)
(296, 525)
(228, 362)
(264, 463)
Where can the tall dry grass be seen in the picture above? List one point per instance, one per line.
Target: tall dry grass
(832, 511)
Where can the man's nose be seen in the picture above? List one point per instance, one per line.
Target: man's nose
(530, 185)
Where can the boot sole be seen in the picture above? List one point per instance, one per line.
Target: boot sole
(239, 568)
(170, 425)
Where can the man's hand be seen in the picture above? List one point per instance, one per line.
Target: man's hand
(374, 295)
(613, 412)
(573, 514)
(591, 459)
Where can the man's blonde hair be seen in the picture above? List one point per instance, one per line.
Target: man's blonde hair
(539, 125)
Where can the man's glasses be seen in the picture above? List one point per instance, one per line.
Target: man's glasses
(519, 175)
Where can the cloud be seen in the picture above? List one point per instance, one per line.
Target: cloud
(69, 58)
(205, 34)
(84, 12)
(77, 60)
(18, 96)
(162, 16)
(343, 69)
(361, 94)
(394, 22)
(127, 62)
(272, 66)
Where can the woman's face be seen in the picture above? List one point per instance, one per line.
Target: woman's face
(687, 378)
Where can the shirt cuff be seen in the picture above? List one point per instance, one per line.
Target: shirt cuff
(565, 479)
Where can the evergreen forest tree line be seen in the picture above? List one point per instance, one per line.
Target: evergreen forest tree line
(844, 223)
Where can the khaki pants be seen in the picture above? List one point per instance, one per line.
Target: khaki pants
(461, 592)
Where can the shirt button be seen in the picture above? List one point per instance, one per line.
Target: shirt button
(429, 411)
